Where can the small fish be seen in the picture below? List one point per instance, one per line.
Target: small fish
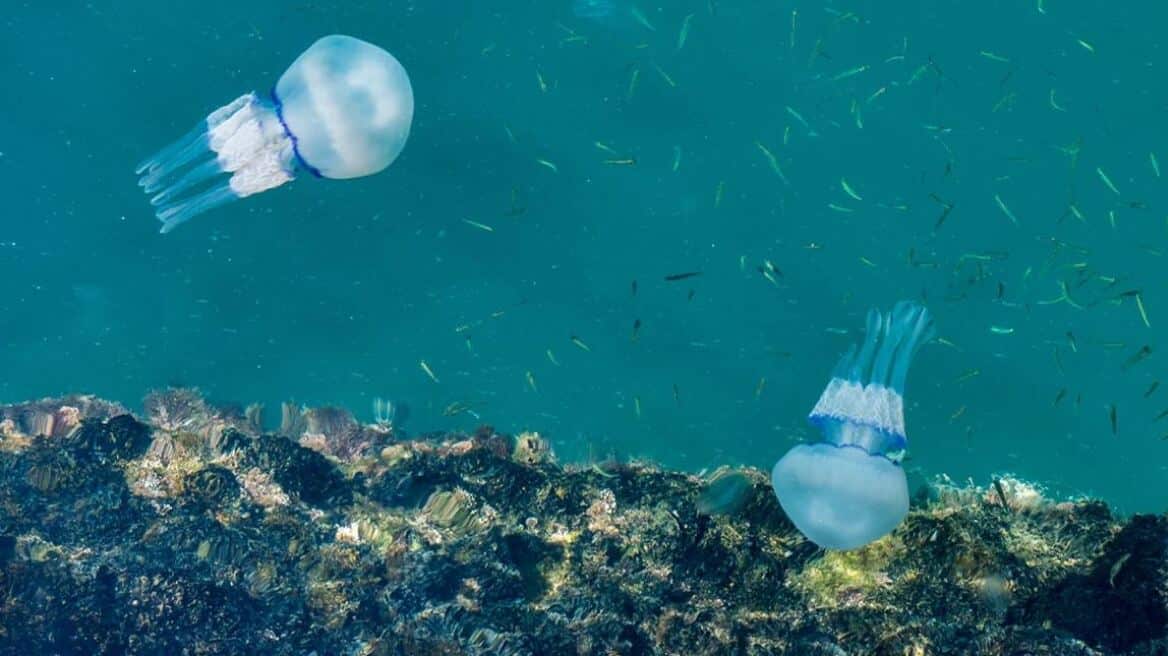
(1106, 180)
(1001, 330)
(665, 76)
(758, 388)
(798, 117)
(481, 226)
(580, 343)
(636, 75)
(1006, 101)
(1005, 210)
(1112, 415)
(637, 406)
(549, 165)
(1071, 341)
(947, 207)
(967, 375)
(531, 382)
(642, 19)
(768, 274)
(1054, 105)
(1137, 357)
(673, 277)
(1115, 569)
(1060, 396)
(676, 158)
(596, 468)
(605, 147)
(725, 495)
(636, 329)
(634, 287)
(429, 372)
(1155, 164)
(1143, 313)
(960, 411)
(848, 189)
(690, 295)
(684, 33)
(458, 408)
(552, 357)
(773, 161)
(1151, 388)
(849, 73)
(1161, 415)
(676, 395)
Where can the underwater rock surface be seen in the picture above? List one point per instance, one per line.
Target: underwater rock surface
(192, 531)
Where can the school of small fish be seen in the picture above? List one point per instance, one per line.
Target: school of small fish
(1036, 304)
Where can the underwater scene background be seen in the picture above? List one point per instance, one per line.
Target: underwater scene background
(995, 160)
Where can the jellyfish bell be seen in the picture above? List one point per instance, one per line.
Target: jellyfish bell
(342, 110)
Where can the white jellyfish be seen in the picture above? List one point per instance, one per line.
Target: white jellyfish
(342, 110)
(849, 489)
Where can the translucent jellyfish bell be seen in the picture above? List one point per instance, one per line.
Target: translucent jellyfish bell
(849, 489)
(342, 110)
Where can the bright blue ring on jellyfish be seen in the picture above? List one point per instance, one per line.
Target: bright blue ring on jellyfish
(279, 107)
(888, 442)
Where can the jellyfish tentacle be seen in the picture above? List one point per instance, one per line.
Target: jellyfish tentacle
(844, 366)
(191, 141)
(244, 141)
(195, 176)
(162, 167)
(893, 337)
(181, 212)
(862, 363)
(918, 329)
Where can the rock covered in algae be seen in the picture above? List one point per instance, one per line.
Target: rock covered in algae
(195, 532)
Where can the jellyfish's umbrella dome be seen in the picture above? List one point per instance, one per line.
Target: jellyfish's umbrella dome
(348, 105)
(840, 497)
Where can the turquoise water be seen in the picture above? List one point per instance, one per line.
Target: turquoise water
(334, 292)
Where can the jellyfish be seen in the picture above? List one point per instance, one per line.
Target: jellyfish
(342, 110)
(849, 488)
